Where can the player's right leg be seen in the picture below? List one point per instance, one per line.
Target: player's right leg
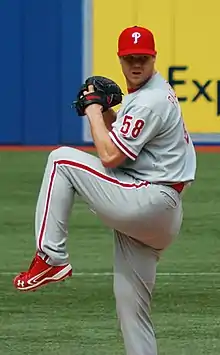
(134, 279)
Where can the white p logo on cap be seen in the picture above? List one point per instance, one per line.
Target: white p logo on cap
(136, 36)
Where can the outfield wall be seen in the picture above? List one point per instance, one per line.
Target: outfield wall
(41, 65)
(49, 46)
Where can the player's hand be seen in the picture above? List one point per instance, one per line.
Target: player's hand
(91, 109)
(97, 90)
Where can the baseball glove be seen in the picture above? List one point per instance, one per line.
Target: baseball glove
(106, 93)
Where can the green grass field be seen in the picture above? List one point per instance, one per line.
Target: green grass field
(77, 317)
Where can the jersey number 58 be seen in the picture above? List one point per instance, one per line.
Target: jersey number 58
(132, 127)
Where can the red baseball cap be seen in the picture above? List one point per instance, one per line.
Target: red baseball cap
(136, 40)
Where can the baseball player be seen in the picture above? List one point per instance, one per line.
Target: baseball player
(145, 160)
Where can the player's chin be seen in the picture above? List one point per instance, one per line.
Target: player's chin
(137, 80)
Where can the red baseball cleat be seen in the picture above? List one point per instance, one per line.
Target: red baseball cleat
(40, 273)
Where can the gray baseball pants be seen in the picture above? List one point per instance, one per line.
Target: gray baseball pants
(145, 218)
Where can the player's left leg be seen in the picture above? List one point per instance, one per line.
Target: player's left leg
(124, 204)
(106, 191)
(134, 279)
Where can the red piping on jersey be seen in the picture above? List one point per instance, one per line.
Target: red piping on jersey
(122, 146)
(132, 90)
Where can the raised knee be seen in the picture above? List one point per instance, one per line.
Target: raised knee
(58, 153)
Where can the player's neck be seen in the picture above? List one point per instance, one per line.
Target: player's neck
(132, 88)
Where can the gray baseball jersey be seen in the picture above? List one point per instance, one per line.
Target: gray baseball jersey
(150, 130)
